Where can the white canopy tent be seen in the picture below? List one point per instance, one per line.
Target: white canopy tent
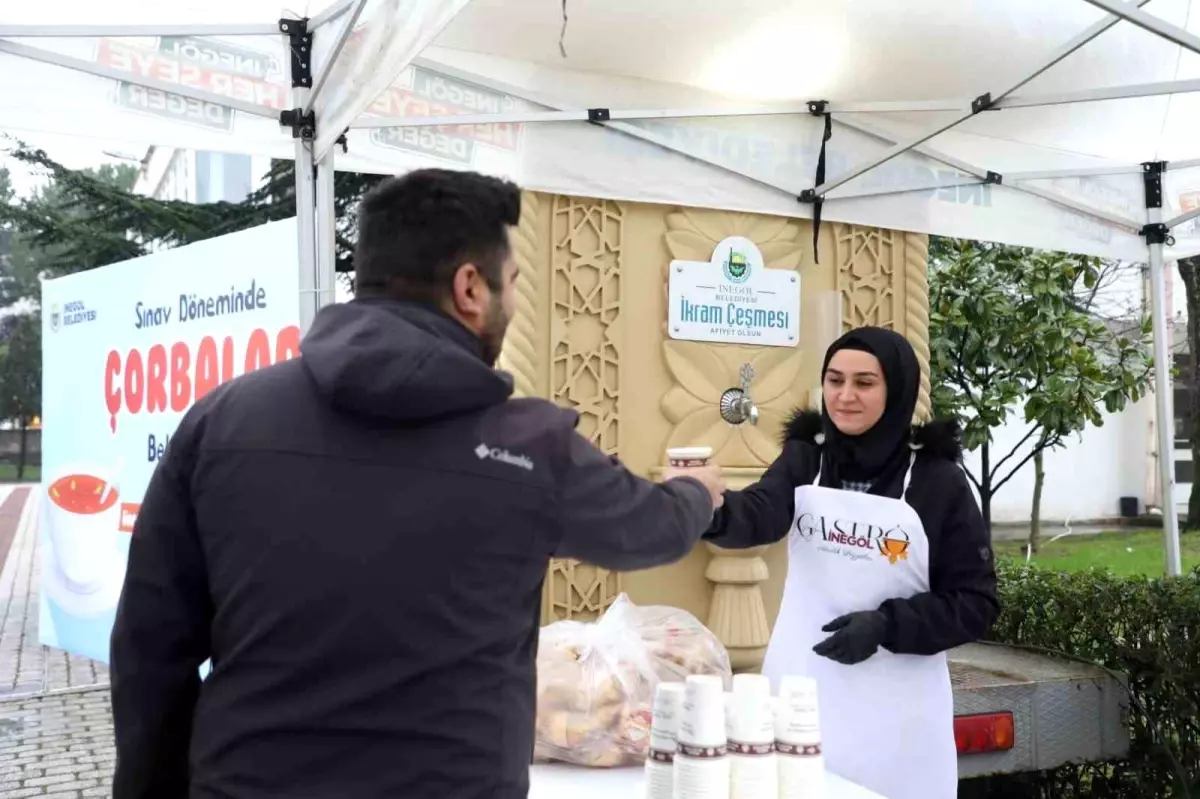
(1061, 124)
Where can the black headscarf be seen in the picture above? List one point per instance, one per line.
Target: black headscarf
(882, 452)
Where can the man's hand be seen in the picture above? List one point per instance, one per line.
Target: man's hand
(709, 475)
(856, 636)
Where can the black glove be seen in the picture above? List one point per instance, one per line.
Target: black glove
(856, 636)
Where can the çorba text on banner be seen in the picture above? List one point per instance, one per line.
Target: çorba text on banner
(127, 350)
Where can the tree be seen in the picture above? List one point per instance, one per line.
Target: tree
(279, 192)
(1006, 326)
(91, 218)
(21, 375)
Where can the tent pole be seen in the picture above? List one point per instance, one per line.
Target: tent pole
(971, 169)
(306, 223)
(1078, 207)
(329, 14)
(198, 29)
(1156, 236)
(950, 183)
(1176, 166)
(1151, 23)
(325, 221)
(80, 65)
(1175, 222)
(1090, 172)
(306, 214)
(326, 68)
(590, 115)
(1098, 95)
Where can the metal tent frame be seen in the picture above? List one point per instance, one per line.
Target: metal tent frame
(315, 170)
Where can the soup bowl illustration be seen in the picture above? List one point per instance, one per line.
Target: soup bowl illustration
(82, 515)
(894, 545)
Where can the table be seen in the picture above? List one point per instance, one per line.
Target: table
(556, 781)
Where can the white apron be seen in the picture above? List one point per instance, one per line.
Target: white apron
(886, 723)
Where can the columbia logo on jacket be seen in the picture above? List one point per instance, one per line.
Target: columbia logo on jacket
(504, 456)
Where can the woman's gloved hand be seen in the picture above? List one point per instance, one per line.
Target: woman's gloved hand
(856, 636)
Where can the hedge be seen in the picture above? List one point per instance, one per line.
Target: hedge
(1147, 629)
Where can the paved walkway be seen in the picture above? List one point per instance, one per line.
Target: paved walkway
(1020, 532)
(55, 720)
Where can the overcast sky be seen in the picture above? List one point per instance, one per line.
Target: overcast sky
(71, 151)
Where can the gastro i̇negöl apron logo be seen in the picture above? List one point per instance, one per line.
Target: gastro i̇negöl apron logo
(892, 543)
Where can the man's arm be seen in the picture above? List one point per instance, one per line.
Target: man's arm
(161, 636)
(616, 520)
(761, 513)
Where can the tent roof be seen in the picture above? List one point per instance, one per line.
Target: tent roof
(672, 54)
(870, 50)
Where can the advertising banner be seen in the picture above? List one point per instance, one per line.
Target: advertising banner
(126, 350)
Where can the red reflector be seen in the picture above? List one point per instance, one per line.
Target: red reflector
(988, 732)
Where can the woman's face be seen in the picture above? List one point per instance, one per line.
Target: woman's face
(855, 391)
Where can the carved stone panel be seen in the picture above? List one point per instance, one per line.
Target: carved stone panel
(522, 354)
(866, 273)
(585, 365)
(882, 280)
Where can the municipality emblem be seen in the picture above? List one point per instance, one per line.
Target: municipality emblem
(736, 267)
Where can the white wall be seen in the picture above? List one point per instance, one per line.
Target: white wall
(1086, 478)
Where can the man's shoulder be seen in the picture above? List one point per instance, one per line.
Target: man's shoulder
(538, 410)
(245, 398)
(529, 424)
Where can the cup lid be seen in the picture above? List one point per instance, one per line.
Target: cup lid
(689, 453)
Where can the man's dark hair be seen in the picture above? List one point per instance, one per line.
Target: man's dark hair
(417, 229)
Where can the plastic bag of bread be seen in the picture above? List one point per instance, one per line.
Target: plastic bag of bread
(596, 681)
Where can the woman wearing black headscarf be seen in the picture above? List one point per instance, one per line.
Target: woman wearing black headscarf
(889, 565)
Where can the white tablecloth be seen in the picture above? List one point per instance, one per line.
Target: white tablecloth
(556, 781)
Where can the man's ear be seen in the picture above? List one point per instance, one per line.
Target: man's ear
(468, 294)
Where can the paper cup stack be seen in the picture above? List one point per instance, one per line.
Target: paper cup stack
(753, 772)
(664, 731)
(798, 740)
(701, 762)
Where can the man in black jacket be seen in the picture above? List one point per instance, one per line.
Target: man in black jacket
(357, 539)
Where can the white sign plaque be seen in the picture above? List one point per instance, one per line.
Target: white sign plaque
(734, 299)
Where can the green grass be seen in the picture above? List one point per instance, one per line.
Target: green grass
(1135, 552)
(8, 473)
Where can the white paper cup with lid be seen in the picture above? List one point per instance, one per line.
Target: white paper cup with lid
(701, 763)
(688, 457)
(753, 772)
(801, 761)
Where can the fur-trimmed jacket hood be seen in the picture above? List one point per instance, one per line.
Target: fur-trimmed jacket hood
(941, 438)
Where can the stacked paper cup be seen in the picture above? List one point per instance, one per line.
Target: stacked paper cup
(701, 763)
(753, 772)
(798, 740)
(664, 730)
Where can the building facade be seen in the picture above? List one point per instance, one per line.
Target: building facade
(199, 177)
